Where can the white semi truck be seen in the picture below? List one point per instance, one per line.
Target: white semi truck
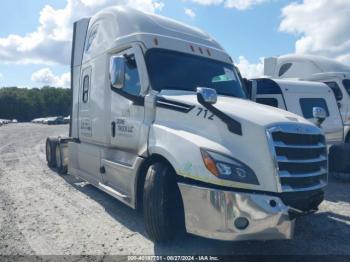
(301, 97)
(160, 121)
(317, 69)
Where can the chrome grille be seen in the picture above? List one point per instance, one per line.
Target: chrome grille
(300, 157)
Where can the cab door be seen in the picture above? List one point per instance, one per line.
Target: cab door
(127, 128)
(342, 102)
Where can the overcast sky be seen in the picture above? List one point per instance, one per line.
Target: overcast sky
(35, 36)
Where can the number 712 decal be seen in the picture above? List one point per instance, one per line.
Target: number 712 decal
(205, 113)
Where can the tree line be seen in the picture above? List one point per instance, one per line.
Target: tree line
(26, 104)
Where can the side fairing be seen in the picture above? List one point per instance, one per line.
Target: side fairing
(79, 36)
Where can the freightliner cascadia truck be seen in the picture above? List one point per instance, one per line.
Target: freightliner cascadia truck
(161, 121)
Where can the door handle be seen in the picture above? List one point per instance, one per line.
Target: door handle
(113, 129)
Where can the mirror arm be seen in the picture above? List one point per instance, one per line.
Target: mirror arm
(320, 114)
(233, 125)
(130, 59)
(320, 121)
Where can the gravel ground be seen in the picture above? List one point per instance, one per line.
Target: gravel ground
(43, 213)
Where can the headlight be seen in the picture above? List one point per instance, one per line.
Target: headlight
(228, 168)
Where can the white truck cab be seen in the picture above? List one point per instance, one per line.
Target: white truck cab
(301, 97)
(160, 121)
(318, 69)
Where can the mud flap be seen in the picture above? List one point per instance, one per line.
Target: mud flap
(296, 213)
(305, 202)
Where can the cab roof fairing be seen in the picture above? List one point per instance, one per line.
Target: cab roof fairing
(292, 86)
(173, 44)
(121, 24)
(324, 64)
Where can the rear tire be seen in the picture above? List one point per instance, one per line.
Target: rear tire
(61, 169)
(50, 148)
(162, 204)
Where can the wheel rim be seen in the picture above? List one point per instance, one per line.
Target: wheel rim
(58, 156)
(48, 152)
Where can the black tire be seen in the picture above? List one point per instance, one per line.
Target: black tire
(343, 177)
(50, 148)
(339, 158)
(61, 169)
(162, 204)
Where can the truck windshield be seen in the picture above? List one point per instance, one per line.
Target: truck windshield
(180, 71)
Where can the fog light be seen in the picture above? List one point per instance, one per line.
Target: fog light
(241, 223)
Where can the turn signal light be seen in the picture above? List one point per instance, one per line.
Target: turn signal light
(209, 163)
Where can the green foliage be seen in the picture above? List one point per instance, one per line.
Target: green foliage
(26, 104)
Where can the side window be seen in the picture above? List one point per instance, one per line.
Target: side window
(91, 38)
(336, 90)
(86, 86)
(346, 84)
(284, 68)
(267, 101)
(308, 103)
(132, 83)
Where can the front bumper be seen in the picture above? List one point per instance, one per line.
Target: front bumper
(212, 213)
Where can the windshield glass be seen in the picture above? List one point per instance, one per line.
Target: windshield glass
(180, 71)
(346, 83)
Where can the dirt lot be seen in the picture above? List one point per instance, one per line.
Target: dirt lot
(43, 213)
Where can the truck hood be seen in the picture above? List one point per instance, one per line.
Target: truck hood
(242, 110)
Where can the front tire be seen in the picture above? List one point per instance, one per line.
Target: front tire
(162, 204)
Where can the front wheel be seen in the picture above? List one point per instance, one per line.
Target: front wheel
(162, 204)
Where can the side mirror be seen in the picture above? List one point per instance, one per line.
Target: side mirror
(207, 95)
(116, 72)
(320, 114)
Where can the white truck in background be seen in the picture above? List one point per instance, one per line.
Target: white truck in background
(317, 69)
(301, 97)
(160, 121)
